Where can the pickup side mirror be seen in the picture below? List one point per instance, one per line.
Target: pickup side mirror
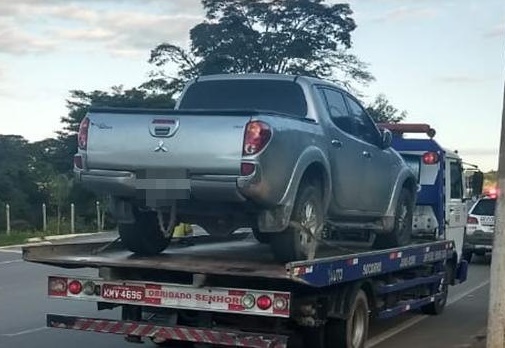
(386, 138)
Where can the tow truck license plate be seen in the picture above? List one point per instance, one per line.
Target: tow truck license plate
(123, 292)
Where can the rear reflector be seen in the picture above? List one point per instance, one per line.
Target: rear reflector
(247, 169)
(78, 163)
(57, 286)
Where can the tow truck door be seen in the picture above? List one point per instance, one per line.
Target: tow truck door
(455, 207)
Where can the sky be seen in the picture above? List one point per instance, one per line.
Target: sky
(440, 60)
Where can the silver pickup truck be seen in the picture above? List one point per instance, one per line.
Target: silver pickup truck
(288, 156)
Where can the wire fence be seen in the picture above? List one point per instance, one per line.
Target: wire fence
(62, 222)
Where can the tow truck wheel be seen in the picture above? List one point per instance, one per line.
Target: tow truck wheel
(437, 307)
(401, 234)
(293, 244)
(353, 331)
(144, 236)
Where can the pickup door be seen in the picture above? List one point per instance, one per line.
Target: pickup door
(202, 142)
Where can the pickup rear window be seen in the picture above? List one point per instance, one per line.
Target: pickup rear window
(284, 97)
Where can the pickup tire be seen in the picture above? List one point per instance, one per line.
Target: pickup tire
(401, 234)
(143, 237)
(294, 244)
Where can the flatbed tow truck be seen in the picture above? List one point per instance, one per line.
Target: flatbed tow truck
(231, 292)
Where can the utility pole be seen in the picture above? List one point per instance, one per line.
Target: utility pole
(496, 311)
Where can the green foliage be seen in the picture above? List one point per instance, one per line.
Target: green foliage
(18, 186)
(382, 111)
(308, 37)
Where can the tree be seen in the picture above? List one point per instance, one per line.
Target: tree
(382, 111)
(60, 187)
(305, 37)
(18, 186)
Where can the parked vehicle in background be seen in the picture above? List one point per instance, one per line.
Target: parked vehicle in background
(284, 155)
(480, 228)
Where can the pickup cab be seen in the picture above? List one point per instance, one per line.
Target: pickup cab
(289, 156)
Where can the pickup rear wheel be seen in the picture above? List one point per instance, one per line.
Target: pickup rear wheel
(144, 236)
(294, 244)
(402, 232)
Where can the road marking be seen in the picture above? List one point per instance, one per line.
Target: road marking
(466, 293)
(411, 322)
(25, 332)
(10, 261)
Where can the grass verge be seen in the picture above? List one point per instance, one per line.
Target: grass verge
(19, 237)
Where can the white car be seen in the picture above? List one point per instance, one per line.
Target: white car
(480, 228)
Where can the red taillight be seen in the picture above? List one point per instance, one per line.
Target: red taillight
(472, 220)
(75, 287)
(430, 158)
(247, 168)
(82, 137)
(78, 162)
(257, 135)
(264, 302)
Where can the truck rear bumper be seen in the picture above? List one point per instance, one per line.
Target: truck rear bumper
(137, 329)
(126, 184)
(479, 242)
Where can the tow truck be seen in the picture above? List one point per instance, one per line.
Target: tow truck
(230, 291)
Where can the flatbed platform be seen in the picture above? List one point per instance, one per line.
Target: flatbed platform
(240, 255)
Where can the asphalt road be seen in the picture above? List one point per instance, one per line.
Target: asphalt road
(23, 305)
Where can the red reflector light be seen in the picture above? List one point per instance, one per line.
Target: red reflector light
(430, 158)
(247, 168)
(78, 163)
(264, 302)
(57, 286)
(82, 137)
(256, 137)
(472, 220)
(75, 287)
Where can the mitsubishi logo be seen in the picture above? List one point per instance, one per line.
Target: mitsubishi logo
(160, 147)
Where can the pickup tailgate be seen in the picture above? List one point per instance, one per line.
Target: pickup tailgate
(200, 142)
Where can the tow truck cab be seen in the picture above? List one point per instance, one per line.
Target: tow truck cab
(445, 187)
